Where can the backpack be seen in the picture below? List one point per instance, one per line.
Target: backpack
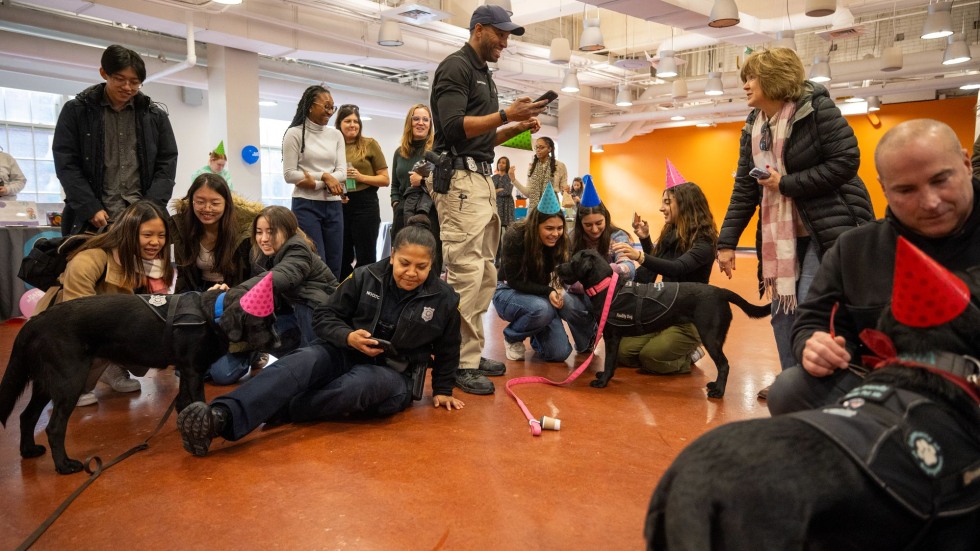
(48, 259)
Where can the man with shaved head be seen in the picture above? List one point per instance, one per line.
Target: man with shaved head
(932, 196)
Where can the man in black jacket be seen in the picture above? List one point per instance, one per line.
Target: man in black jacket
(932, 201)
(113, 146)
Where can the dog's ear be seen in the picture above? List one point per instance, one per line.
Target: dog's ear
(231, 321)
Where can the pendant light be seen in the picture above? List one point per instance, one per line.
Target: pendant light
(724, 13)
(570, 84)
(714, 86)
(390, 34)
(820, 71)
(956, 50)
(624, 98)
(939, 21)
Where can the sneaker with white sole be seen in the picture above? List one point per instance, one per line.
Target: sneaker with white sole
(87, 399)
(515, 350)
(118, 378)
(698, 353)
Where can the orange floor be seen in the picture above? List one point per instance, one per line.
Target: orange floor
(422, 480)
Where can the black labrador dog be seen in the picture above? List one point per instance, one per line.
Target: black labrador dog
(55, 350)
(639, 309)
(855, 475)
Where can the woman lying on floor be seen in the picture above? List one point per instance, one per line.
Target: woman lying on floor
(346, 372)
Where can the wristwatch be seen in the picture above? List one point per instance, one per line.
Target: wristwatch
(503, 116)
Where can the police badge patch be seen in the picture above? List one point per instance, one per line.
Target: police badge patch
(427, 313)
(157, 300)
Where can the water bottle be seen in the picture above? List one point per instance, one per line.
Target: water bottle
(351, 183)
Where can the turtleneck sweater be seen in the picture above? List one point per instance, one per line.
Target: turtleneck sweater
(324, 152)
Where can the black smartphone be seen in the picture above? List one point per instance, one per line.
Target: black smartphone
(550, 96)
(759, 173)
(385, 345)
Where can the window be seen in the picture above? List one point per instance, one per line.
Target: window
(27, 121)
(275, 190)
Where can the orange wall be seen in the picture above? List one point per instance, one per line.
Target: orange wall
(630, 177)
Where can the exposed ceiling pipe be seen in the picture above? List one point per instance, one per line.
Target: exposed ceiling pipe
(189, 62)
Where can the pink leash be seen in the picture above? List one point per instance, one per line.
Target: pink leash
(608, 283)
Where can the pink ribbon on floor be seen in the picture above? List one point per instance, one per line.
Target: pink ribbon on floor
(536, 424)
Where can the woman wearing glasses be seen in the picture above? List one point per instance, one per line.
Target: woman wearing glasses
(409, 195)
(315, 162)
(808, 188)
(367, 170)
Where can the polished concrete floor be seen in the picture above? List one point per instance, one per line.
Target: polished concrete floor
(425, 479)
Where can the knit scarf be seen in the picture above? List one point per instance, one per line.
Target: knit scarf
(155, 283)
(779, 265)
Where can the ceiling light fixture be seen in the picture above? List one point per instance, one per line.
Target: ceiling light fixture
(892, 59)
(591, 39)
(820, 71)
(667, 68)
(956, 50)
(724, 13)
(678, 89)
(561, 51)
(268, 103)
(390, 33)
(714, 87)
(939, 21)
(786, 39)
(819, 8)
(678, 118)
(229, 2)
(874, 104)
(570, 84)
(624, 98)
(598, 148)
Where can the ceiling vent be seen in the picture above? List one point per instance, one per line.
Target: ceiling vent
(632, 62)
(843, 33)
(414, 14)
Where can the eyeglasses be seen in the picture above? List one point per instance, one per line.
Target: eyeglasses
(417, 119)
(765, 142)
(350, 107)
(328, 107)
(123, 81)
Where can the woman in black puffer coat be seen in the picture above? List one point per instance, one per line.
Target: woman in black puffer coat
(812, 192)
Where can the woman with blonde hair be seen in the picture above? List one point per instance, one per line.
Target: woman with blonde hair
(806, 186)
(409, 194)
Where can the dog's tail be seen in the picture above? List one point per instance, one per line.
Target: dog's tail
(16, 377)
(752, 310)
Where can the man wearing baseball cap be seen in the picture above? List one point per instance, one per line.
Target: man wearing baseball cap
(467, 120)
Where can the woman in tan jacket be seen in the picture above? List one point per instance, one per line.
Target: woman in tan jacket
(133, 256)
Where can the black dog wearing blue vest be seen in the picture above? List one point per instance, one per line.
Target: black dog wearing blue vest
(54, 350)
(642, 308)
(895, 464)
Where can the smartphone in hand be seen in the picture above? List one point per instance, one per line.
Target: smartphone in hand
(384, 345)
(759, 173)
(550, 96)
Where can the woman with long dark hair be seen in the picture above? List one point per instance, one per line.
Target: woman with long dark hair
(367, 167)
(544, 168)
(594, 230)
(314, 160)
(685, 251)
(505, 199)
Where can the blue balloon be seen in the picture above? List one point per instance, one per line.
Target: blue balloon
(250, 154)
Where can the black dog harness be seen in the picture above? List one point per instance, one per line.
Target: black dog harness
(907, 444)
(175, 312)
(636, 303)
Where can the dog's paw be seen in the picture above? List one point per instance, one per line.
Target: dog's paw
(33, 450)
(599, 383)
(70, 467)
(714, 391)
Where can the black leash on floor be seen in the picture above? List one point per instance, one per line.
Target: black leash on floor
(93, 474)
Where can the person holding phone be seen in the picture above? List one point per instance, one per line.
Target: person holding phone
(377, 333)
(685, 251)
(544, 168)
(812, 194)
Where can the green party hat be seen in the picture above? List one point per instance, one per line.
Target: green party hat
(520, 141)
(220, 150)
(549, 201)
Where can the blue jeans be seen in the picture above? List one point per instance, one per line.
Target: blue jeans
(227, 369)
(323, 222)
(313, 384)
(782, 322)
(534, 316)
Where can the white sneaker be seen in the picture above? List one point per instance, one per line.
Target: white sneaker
(515, 350)
(118, 378)
(697, 354)
(87, 399)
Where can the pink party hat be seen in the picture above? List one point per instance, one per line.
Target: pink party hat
(673, 176)
(258, 301)
(924, 293)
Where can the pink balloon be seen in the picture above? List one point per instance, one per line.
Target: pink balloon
(29, 300)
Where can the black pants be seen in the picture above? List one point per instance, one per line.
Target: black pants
(315, 383)
(362, 220)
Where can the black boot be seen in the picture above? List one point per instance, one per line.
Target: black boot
(199, 423)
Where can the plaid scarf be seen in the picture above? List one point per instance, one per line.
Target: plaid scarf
(779, 265)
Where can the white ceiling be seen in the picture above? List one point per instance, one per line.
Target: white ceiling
(335, 41)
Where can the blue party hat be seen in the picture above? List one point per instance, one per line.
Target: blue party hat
(589, 196)
(549, 201)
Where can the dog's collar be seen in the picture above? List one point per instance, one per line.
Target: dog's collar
(598, 287)
(219, 306)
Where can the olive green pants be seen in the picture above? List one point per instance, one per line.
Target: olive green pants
(666, 352)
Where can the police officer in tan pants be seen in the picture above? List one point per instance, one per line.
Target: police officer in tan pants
(466, 117)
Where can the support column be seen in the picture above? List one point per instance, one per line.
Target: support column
(573, 134)
(233, 113)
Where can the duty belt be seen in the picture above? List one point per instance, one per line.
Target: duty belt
(471, 164)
